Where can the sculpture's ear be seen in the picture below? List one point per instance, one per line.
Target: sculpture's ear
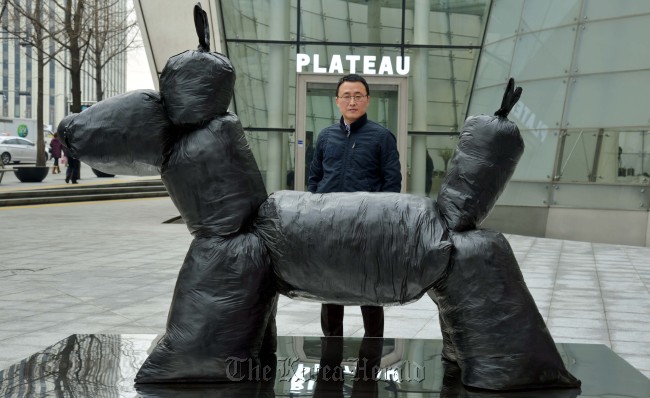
(510, 98)
(202, 28)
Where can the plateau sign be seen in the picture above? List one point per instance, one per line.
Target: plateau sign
(367, 64)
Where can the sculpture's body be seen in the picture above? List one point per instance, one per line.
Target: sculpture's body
(359, 248)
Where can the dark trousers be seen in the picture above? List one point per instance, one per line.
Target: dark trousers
(72, 172)
(331, 320)
(370, 351)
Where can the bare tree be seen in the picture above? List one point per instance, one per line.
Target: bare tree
(114, 28)
(70, 30)
(102, 27)
(75, 39)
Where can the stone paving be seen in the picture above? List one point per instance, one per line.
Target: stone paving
(110, 267)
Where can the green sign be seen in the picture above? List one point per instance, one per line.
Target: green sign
(22, 131)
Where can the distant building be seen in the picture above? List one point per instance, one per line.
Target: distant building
(18, 75)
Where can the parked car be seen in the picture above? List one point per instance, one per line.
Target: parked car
(16, 150)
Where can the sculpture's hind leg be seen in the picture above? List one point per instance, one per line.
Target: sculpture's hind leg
(448, 349)
(218, 317)
(500, 340)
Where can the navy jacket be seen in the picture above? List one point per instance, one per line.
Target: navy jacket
(366, 159)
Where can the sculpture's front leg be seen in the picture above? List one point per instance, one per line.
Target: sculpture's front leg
(216, 326)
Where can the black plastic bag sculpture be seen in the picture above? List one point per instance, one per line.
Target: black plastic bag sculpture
(347, 248)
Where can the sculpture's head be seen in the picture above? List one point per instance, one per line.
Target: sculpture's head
(197, 85)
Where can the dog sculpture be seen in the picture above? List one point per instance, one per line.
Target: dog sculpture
(347, 248)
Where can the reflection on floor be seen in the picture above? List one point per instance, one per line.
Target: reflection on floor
(104, 366)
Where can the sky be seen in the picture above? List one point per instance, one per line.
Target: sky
(137, 70)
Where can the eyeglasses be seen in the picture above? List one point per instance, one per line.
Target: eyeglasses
(356, 98)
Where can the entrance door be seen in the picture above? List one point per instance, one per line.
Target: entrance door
(316, 109)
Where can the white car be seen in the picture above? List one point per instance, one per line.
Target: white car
(16, 149)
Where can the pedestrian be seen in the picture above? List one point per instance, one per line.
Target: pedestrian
(55, 152)
(429, 174)
(72, 172)
(356, 154)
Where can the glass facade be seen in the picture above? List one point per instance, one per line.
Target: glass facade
(437, 43)
(583, 65)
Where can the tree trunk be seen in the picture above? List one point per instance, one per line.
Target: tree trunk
(40, 64)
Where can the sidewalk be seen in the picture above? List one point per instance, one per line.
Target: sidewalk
(11, 183)
(111, 267)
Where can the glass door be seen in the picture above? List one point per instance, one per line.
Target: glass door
(316, 109)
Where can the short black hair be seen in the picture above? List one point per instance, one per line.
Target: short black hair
(353, 77)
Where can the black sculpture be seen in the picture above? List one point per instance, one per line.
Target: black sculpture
(346, 248)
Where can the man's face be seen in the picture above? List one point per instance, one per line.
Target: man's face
(352, 109)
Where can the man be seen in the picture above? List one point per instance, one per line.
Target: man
(354, 155)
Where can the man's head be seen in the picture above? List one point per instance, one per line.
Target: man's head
(352, 97)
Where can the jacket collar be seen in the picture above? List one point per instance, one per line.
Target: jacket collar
(356, 124)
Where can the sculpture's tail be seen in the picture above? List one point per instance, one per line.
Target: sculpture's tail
(488, 151)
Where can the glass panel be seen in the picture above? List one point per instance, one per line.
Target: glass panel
(350, 21)
(598, 9)
(259, 143)
(634, 162)
(539, 108)
(252, 94)
(523, 193)
(543, 54)
(455, 22)
(495, 63)
(251, 19)
(448, 79)
(536, 164)
(440, 149)
(546, 14)
(626, 42)
(504, 20)
(608, 100)
(590, 196)
(605, 157)
(578, 152)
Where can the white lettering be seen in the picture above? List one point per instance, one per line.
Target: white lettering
(317, 67)
(530, 122)
(403, 65)
(301, 60)
(352, 59)
(336, 66)
(369, 65)
(386, 67)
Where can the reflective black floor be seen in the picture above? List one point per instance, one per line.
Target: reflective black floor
(105, 365)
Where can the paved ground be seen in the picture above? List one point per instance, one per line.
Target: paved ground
(11, 183)
(110, 267)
